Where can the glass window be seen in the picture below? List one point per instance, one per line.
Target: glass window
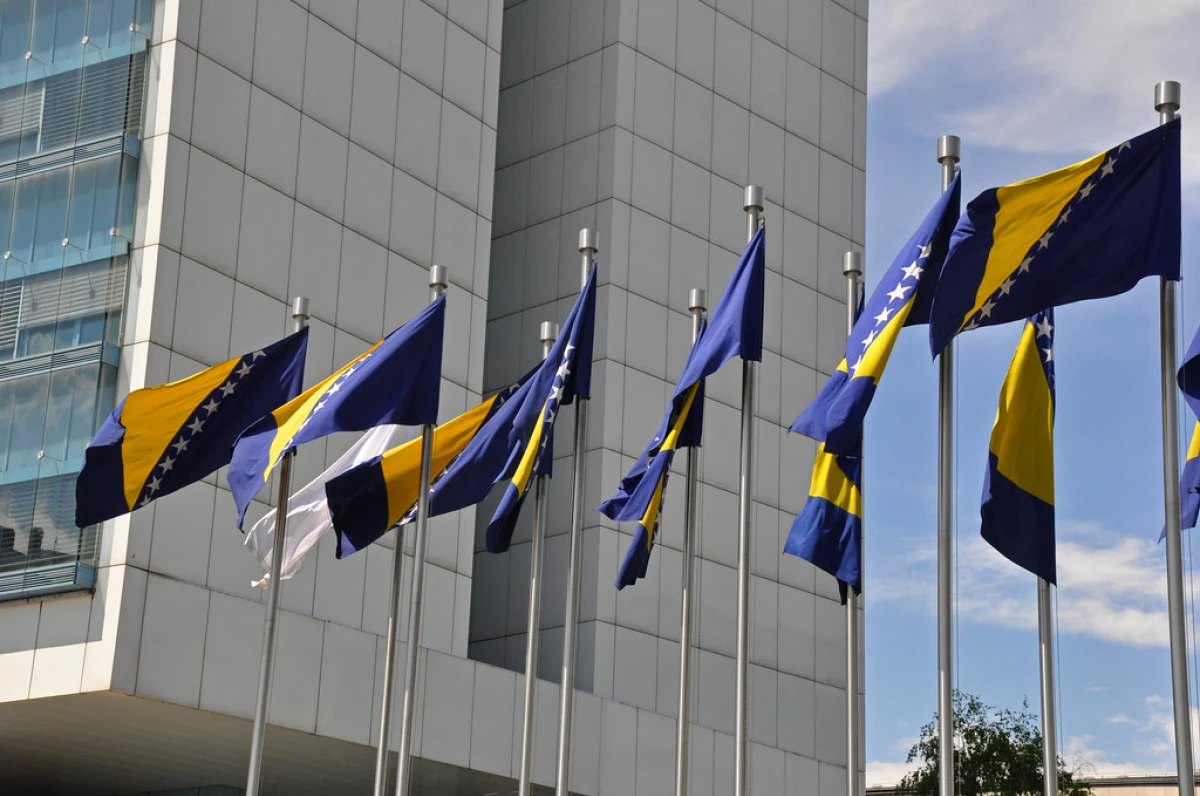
(36, 340)
(29, 413)
(14, 36)
(91, 329)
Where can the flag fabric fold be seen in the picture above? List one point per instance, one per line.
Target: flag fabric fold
(379, 491)
(395, 381)
(734, 329)
(1188, 379)
(828, 531)
(1018, 491)
(1087, 231)
(161, 439)
(902, 298)
(472, 453)
(308, 511)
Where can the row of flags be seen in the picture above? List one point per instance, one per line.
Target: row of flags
(1087, 231)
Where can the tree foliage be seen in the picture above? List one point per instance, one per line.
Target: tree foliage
(996, 753)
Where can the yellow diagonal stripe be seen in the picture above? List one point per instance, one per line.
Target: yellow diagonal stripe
(153, 416)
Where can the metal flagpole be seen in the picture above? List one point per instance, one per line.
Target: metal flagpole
(437, 285)
(753, 205)
(697, 301)
(1166, 102)
(1049, 715)
(566, 700)
(271, 630)
(852, 268)
(949, 152)
(549, 333)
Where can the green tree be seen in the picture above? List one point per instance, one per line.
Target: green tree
(996, 753)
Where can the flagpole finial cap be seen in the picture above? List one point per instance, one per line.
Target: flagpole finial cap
(754, 198)
(587, 240)
(300, 308)
(949, 148)
(1166, 96)
(698, 299)
(439, 276)
(549, 332)
(852, 264)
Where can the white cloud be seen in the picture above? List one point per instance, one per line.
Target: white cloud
(1032, 76)
(1112, 588)
(880, 773)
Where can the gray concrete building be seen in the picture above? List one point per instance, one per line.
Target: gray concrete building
(173, 171)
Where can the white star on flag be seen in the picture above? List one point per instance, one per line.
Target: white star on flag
(196, 425)
(870, 338)
(180, 445)
(243, 370)
(167, 464)
(1086, 190)
(883, 316)
(1044, 327)
(1006, 286)
(1107, 168)
(256, 355)
(912, 271)
(1024, 266)
(1044, 241)
(1124, 145)
(925, 250)
(986, 310)
(1066, 213)
(854, 367)
(898, 293)
(153, 485)
(1049, 353)
(211, 406)
(227, 389)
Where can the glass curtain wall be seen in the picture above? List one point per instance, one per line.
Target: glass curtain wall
(71, 86)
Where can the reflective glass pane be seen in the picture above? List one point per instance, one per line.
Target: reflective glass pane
(69, 29)
(51, 197)
(36, 340)
(29, 411)
(14, 36)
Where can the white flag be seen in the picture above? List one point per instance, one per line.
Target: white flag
(308, 511)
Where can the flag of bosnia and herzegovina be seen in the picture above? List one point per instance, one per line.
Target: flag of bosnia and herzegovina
(397, 380)
(160, 439)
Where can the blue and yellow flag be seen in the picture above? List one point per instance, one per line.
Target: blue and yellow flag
(473, 452)
(1018, 490)
(1189, 483)
(160, 439)
(551, 386)
(368, 499)
(901, 299)
(828, 531)
(397, 380)
(1188, 379)
(1084, 232)
(734, 329)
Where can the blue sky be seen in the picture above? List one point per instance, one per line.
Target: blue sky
(1029, 86)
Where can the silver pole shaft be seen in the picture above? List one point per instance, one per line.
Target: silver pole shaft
(753, 205)
(566, 700)
(1049, 713)
(1166, 102)
(437, 285)
(949, 149)
(271, 630)
(852, 267)
(696, 305)
(534, 621)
